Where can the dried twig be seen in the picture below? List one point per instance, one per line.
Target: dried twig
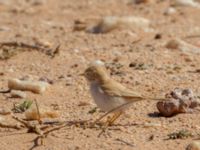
(17, 126)
(56, 51)
(38, 112)
(47, 51)
(44, 135)
(5, 91)
(127, 143)
(192, 36)
(26, 124)
(21, 44)
(54, 129)
(31, 128)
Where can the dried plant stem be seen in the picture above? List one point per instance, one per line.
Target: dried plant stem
(21, 44)
(48, 51)
(2, 125)
(38, 112)
(5, 91)
(127, 143)
(30, 127)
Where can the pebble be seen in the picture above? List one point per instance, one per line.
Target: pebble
(47, 80)
(82, 103)
(191, 3)
(170, 11)
(195, 145)
(4, 28)
(17, 94)
(5, 111)
(98, 62)
(110, 23)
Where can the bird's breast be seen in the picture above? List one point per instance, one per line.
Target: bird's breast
(104, 101)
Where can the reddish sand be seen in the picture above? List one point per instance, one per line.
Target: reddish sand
(52, 21)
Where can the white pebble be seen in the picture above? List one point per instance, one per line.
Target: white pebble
(170, 11)
(191, 3)
(17, 94)
(33, 86)
(195, 145)
(4, 111)
(98, 62)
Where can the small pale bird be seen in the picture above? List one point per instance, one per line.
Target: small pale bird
(107, 93)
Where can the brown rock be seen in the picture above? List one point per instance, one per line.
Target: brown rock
(180, 101)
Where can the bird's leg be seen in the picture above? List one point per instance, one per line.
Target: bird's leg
(112, 119)
(115, 117)
(109, 122)
(114, 109)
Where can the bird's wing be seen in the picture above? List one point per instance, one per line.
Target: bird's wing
(114, 88)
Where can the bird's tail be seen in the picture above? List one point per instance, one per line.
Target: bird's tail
(155, 98)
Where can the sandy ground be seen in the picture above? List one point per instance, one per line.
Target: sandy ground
(52, 21)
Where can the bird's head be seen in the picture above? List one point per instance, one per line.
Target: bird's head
(96, 73)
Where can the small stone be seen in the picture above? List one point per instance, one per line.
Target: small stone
(17, 94)
(158, 36)
(139, 66)
(11, 70)
(172, 44)
(178, 101)
(4, 28)
(110, 23)
(190, 3)
(42, 42)
(151, 137)
(170, 11)
(45, 79)
(69, 81)
(132, 64)
(79, 25)
(82, 103)
(97, 62)
(5, 111)
(195, 145)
